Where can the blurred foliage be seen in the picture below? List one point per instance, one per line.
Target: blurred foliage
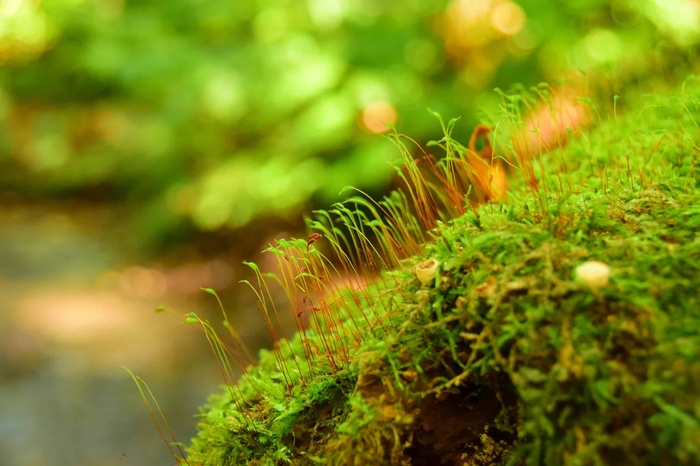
(206, 114)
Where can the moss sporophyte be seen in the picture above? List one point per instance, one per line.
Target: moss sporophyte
(532, 302)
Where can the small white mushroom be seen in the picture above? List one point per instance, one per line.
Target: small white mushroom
(426, 271)
(595, 274)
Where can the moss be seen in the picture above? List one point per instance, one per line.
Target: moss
(505, 357)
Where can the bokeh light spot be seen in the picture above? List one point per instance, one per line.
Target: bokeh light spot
(270, 24)
(508, 18)
(603, 45)
(328, 14)
(422, 55)
(144, 282)
(526, 39)
(223, 97)
(376, 114)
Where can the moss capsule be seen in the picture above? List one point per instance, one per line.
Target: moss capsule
(426, 271)
(595, 274)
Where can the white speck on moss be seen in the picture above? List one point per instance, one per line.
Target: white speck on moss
(595, 274)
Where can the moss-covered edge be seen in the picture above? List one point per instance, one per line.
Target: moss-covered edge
(506, 357)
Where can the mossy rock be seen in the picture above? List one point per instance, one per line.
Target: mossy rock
(507, 356)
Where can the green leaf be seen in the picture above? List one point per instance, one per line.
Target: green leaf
(280, 407)
(252, 265)
(673, 411)
(532, 374)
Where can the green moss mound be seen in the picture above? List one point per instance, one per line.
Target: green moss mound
(506, 357)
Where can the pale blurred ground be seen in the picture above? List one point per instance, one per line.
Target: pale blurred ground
(70, 317)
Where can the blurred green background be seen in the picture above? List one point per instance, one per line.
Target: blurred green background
(148, 147)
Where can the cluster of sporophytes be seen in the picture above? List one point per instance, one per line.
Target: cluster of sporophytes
(509, 305)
